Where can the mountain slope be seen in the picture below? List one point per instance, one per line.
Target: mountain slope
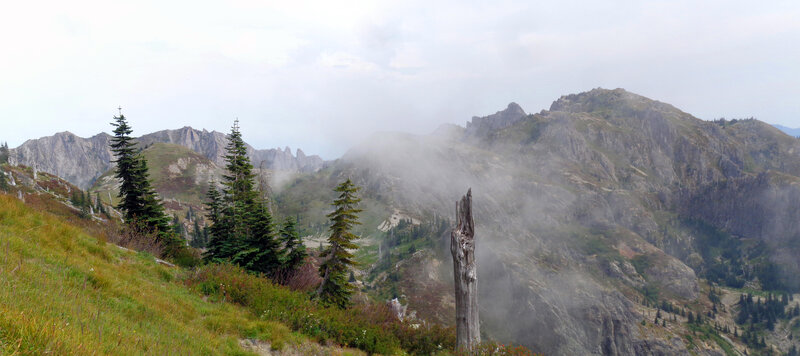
(78, 160)
(179, 175)
(66, 288)
(82, 160)
(788, 130)
(582, 212)
(66, 292)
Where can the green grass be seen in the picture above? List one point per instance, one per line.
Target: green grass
(175, 185)
(706, 332)
(65, 292)
(368, 327)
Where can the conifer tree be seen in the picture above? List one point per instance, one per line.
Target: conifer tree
(242, 229)
(260, 250)
(4, 153)
(238, 196)
(100, 208)
(335, 289)
(216, 247)
(293, 247)
(128, 169)
(176, 225)
(139, 202)
(3, 183)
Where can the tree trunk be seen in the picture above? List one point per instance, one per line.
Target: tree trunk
(462, 246)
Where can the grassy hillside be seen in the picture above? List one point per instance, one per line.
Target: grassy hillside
(63, 291)
(178, 174)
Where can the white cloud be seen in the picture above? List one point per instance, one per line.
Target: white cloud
(321, 74)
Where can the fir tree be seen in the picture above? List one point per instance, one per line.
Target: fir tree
(128, 169)
(334, 289)
(260, 251)
(176, 225)
(217, 245)
(100, 208)
(4, 153)
(3, 182)
(153, 215)
(238, 197)
(293, 247)
(242, 230)
(198, 237)
(139, 202)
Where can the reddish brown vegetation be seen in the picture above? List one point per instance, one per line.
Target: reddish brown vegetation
(304, 279)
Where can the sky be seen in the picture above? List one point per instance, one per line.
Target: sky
(323, 75)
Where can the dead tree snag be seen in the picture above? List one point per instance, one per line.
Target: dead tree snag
(462, 246)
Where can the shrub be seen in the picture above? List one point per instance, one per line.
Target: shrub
(305, 278)
(496, 349)
(137, 237)
(370, 327)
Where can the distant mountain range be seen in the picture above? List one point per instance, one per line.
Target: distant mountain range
(82, 160)
(788, 130)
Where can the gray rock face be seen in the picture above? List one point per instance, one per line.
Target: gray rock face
(675, 277)
(499, 120)
(212, 145)
(78, 160)
(82, 160)
(565, 200)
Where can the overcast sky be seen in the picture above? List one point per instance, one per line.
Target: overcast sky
(322, 75)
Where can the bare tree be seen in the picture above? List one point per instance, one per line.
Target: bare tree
(462, 246)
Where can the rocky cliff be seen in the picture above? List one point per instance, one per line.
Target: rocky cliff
(82, 160)
(76, 159)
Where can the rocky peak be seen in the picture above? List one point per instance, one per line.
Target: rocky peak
(82, 160)
(76, 159)
(614, 100)
(499, 120)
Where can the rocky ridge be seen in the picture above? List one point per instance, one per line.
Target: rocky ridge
(83, 160)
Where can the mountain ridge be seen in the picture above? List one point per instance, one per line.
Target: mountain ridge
(82, 160)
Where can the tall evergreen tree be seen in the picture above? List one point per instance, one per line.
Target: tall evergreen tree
(240, 198)
(335, 289)
(293, 247)
(128, 169)
(242, 230)
(139, 202)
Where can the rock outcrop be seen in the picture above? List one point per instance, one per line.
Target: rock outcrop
(78, 160)
(82, 160)
(499, 120)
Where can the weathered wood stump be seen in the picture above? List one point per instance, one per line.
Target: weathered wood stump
(462, 246)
